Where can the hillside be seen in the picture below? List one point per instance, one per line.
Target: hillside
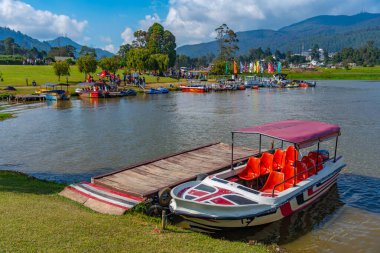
(26, 41)
(331, 32)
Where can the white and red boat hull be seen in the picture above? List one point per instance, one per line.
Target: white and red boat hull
(208, 215)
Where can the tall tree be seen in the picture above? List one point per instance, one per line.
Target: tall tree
(227, 40)
(155, 39)
(61, 68)
(137, 59)
(140, 39)
(123, 50)
(158, 62)
(87, 64)
(110, 64)
(169, 46)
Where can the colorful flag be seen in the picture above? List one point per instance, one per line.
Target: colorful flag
(235, 68)
(279, 67)
(227, 70)
(241, 68)
(258, 67)
(270, 68)
(250, 67)
(245, 67)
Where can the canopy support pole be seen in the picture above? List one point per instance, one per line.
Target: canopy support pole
(336, 148)
(295, 165)
(316, 166)
(260, 144)
(232, 152)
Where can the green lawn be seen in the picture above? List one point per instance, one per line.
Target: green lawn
(4, 116)
(34, 218)
(16, 75)
(355, 73)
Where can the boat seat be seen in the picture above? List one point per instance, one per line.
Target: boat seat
(288, 171)
(310, 163)
(279, 159)
(318, 162)
(251, 170)
(291, 155)
(274, 178)
(266, 163)
(324, 153)
(302, 169)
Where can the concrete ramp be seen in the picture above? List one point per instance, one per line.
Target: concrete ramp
(100, 199)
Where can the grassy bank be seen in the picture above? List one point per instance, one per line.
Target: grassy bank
(355, 73)
(4, 116)
(33, 217)
(16, 75)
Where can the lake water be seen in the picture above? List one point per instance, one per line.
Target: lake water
(74, 140)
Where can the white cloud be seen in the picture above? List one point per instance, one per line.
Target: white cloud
(149, 21)
(127, 35)
(110, 48)
(194, 21)
(40, 24)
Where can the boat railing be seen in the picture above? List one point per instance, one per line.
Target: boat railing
(298, 174)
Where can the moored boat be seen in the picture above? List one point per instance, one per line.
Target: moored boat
(234, 198)
(55, 94)
(197, 88)
(93, 90)
(305, 84)
(160, 90)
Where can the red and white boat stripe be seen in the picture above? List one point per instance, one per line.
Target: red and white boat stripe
(105, 195)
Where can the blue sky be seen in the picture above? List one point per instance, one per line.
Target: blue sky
(108, 24)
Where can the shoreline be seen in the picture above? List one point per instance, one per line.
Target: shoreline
(54, 223)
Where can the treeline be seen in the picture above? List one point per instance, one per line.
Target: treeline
(11, 53)
(367, 55)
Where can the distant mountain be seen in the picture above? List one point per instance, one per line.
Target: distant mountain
(23, 40)
(64, 41)
(28, 42)
(330, 32)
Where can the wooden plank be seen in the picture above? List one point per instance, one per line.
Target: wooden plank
(149, 177)
(166, 164)
(117, 187)
(209, 163)
(147, 162)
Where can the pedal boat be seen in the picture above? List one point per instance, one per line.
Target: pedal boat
(229, 199)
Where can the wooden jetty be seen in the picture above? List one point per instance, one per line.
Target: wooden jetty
(118, 191)
(29, 98)
(23, 98)
(148, 178)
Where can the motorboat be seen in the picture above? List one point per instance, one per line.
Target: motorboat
(128, 92)
(197, 88)
(305, 84)
(270, 185)
(51, 93)
(93, 90)
(160, 90)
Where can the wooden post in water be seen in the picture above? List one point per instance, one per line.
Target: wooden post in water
(163, 219)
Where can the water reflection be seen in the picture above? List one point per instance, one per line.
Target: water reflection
(60, 104)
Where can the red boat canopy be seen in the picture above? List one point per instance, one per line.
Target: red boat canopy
(299, 132)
